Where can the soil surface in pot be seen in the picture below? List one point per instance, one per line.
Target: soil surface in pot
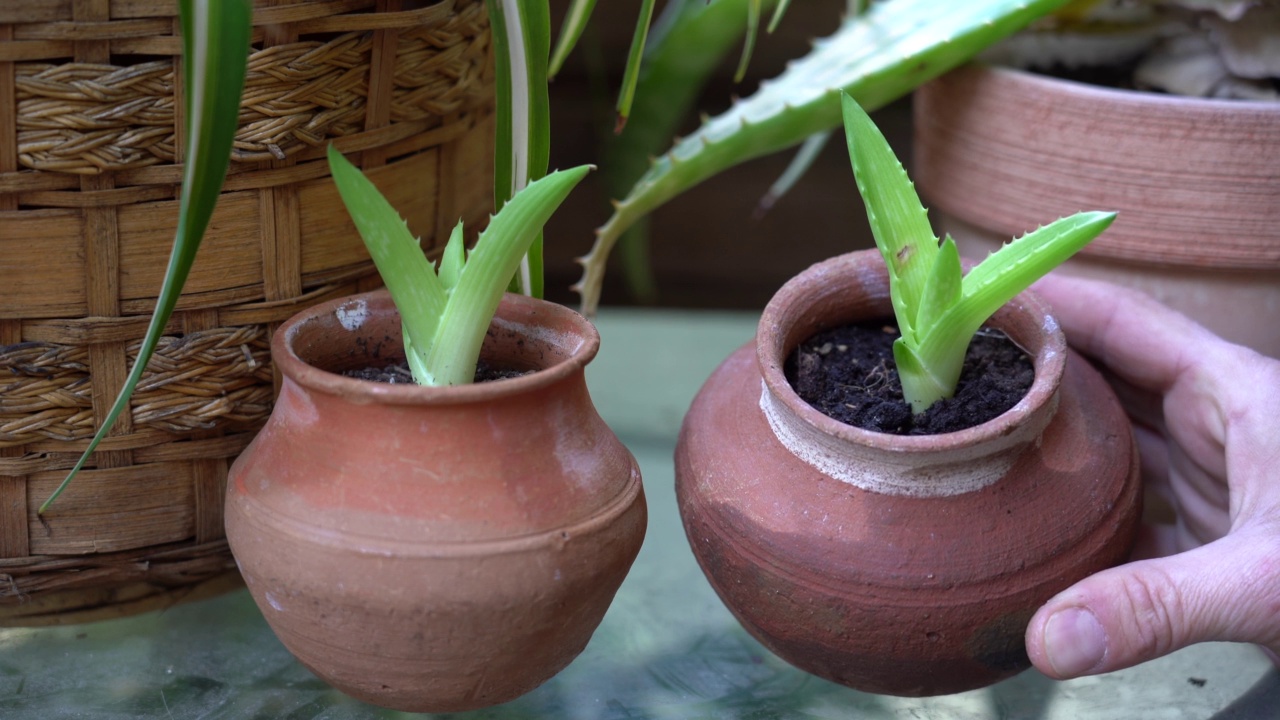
(848, 374)
(399, 374)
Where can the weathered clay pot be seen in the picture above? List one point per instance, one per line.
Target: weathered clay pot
(997, 151)
(892, 564)
(434, 549)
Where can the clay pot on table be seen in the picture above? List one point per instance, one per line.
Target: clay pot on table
(434, 549)
(1194, 181)
(907, 565)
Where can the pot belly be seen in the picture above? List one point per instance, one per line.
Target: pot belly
(892, 594)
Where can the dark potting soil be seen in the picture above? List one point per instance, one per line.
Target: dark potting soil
(848, 374)
(400, 374)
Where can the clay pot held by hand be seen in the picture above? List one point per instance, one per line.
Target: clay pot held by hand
(907, 565)
(434, 549)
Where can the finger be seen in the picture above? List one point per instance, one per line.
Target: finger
(1228, 590)
(1139, 339)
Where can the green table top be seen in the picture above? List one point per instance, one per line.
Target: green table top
(667, 648)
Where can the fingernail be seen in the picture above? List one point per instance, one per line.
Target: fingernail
(1074, 641)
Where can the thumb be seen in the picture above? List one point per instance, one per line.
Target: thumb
(1227, 590)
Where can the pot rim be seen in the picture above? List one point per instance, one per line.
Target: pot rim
(1088, 92)
(535, 317)
(865, 270)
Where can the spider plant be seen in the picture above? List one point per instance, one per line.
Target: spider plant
(446, 311)
(215, 48)
(937, 307)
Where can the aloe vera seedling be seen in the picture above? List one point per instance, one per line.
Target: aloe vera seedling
(938, 308)
(446, 311)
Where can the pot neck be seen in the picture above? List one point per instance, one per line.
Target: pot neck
(316, 345)
(853, 288)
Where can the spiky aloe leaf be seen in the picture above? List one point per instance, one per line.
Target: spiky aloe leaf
(937, 310)
(898, 220)
(876, 57)
(215, 48)
(688, 41)
(445, 316)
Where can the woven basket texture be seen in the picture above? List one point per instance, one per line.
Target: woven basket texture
(91, 117)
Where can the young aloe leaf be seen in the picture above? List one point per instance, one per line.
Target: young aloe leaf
(408, 275)
(630, 76)
(898, 220)
(454, 257)
(876, 57)
(522, 146)
(452, 355)
(575, 21)
(1019, 263)
(215, 45)
(749, 43)
(940, 346)
(943, 288)
(937, 310)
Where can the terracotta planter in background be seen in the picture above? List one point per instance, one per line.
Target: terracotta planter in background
(434, 549)
(1195, 182)
(900, 565)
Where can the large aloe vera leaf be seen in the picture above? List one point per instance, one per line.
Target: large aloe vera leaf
(875, 57)
(687, 42)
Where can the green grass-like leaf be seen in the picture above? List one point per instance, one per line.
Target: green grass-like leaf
(215, 48)
(575, 21)
(631, 75)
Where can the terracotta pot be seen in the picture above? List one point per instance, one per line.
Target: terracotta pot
(907, 565)
(999, 151)
(434, 549)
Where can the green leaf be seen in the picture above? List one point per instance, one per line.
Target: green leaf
(749, 43)
(876, 57)
(408, 275)
(522, 146)
(455, 348)
(1018, 264)
(631, 75)
(575, 21)
(215, 46)
(898, 220)
(942, 289)
(454, 257)
(922, 380)
(778, 12)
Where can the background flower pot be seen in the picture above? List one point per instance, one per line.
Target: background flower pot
(901, 565)
(1194, 181)
(434, 549)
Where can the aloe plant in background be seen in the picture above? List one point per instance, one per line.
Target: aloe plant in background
(445, 312)
(877, 56)
(937, 307)
(215, 48)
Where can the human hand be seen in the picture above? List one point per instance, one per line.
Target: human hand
(1206, 421)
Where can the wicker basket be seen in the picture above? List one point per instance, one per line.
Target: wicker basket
(90, 153)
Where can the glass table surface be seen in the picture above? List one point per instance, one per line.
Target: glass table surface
(667, 647)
